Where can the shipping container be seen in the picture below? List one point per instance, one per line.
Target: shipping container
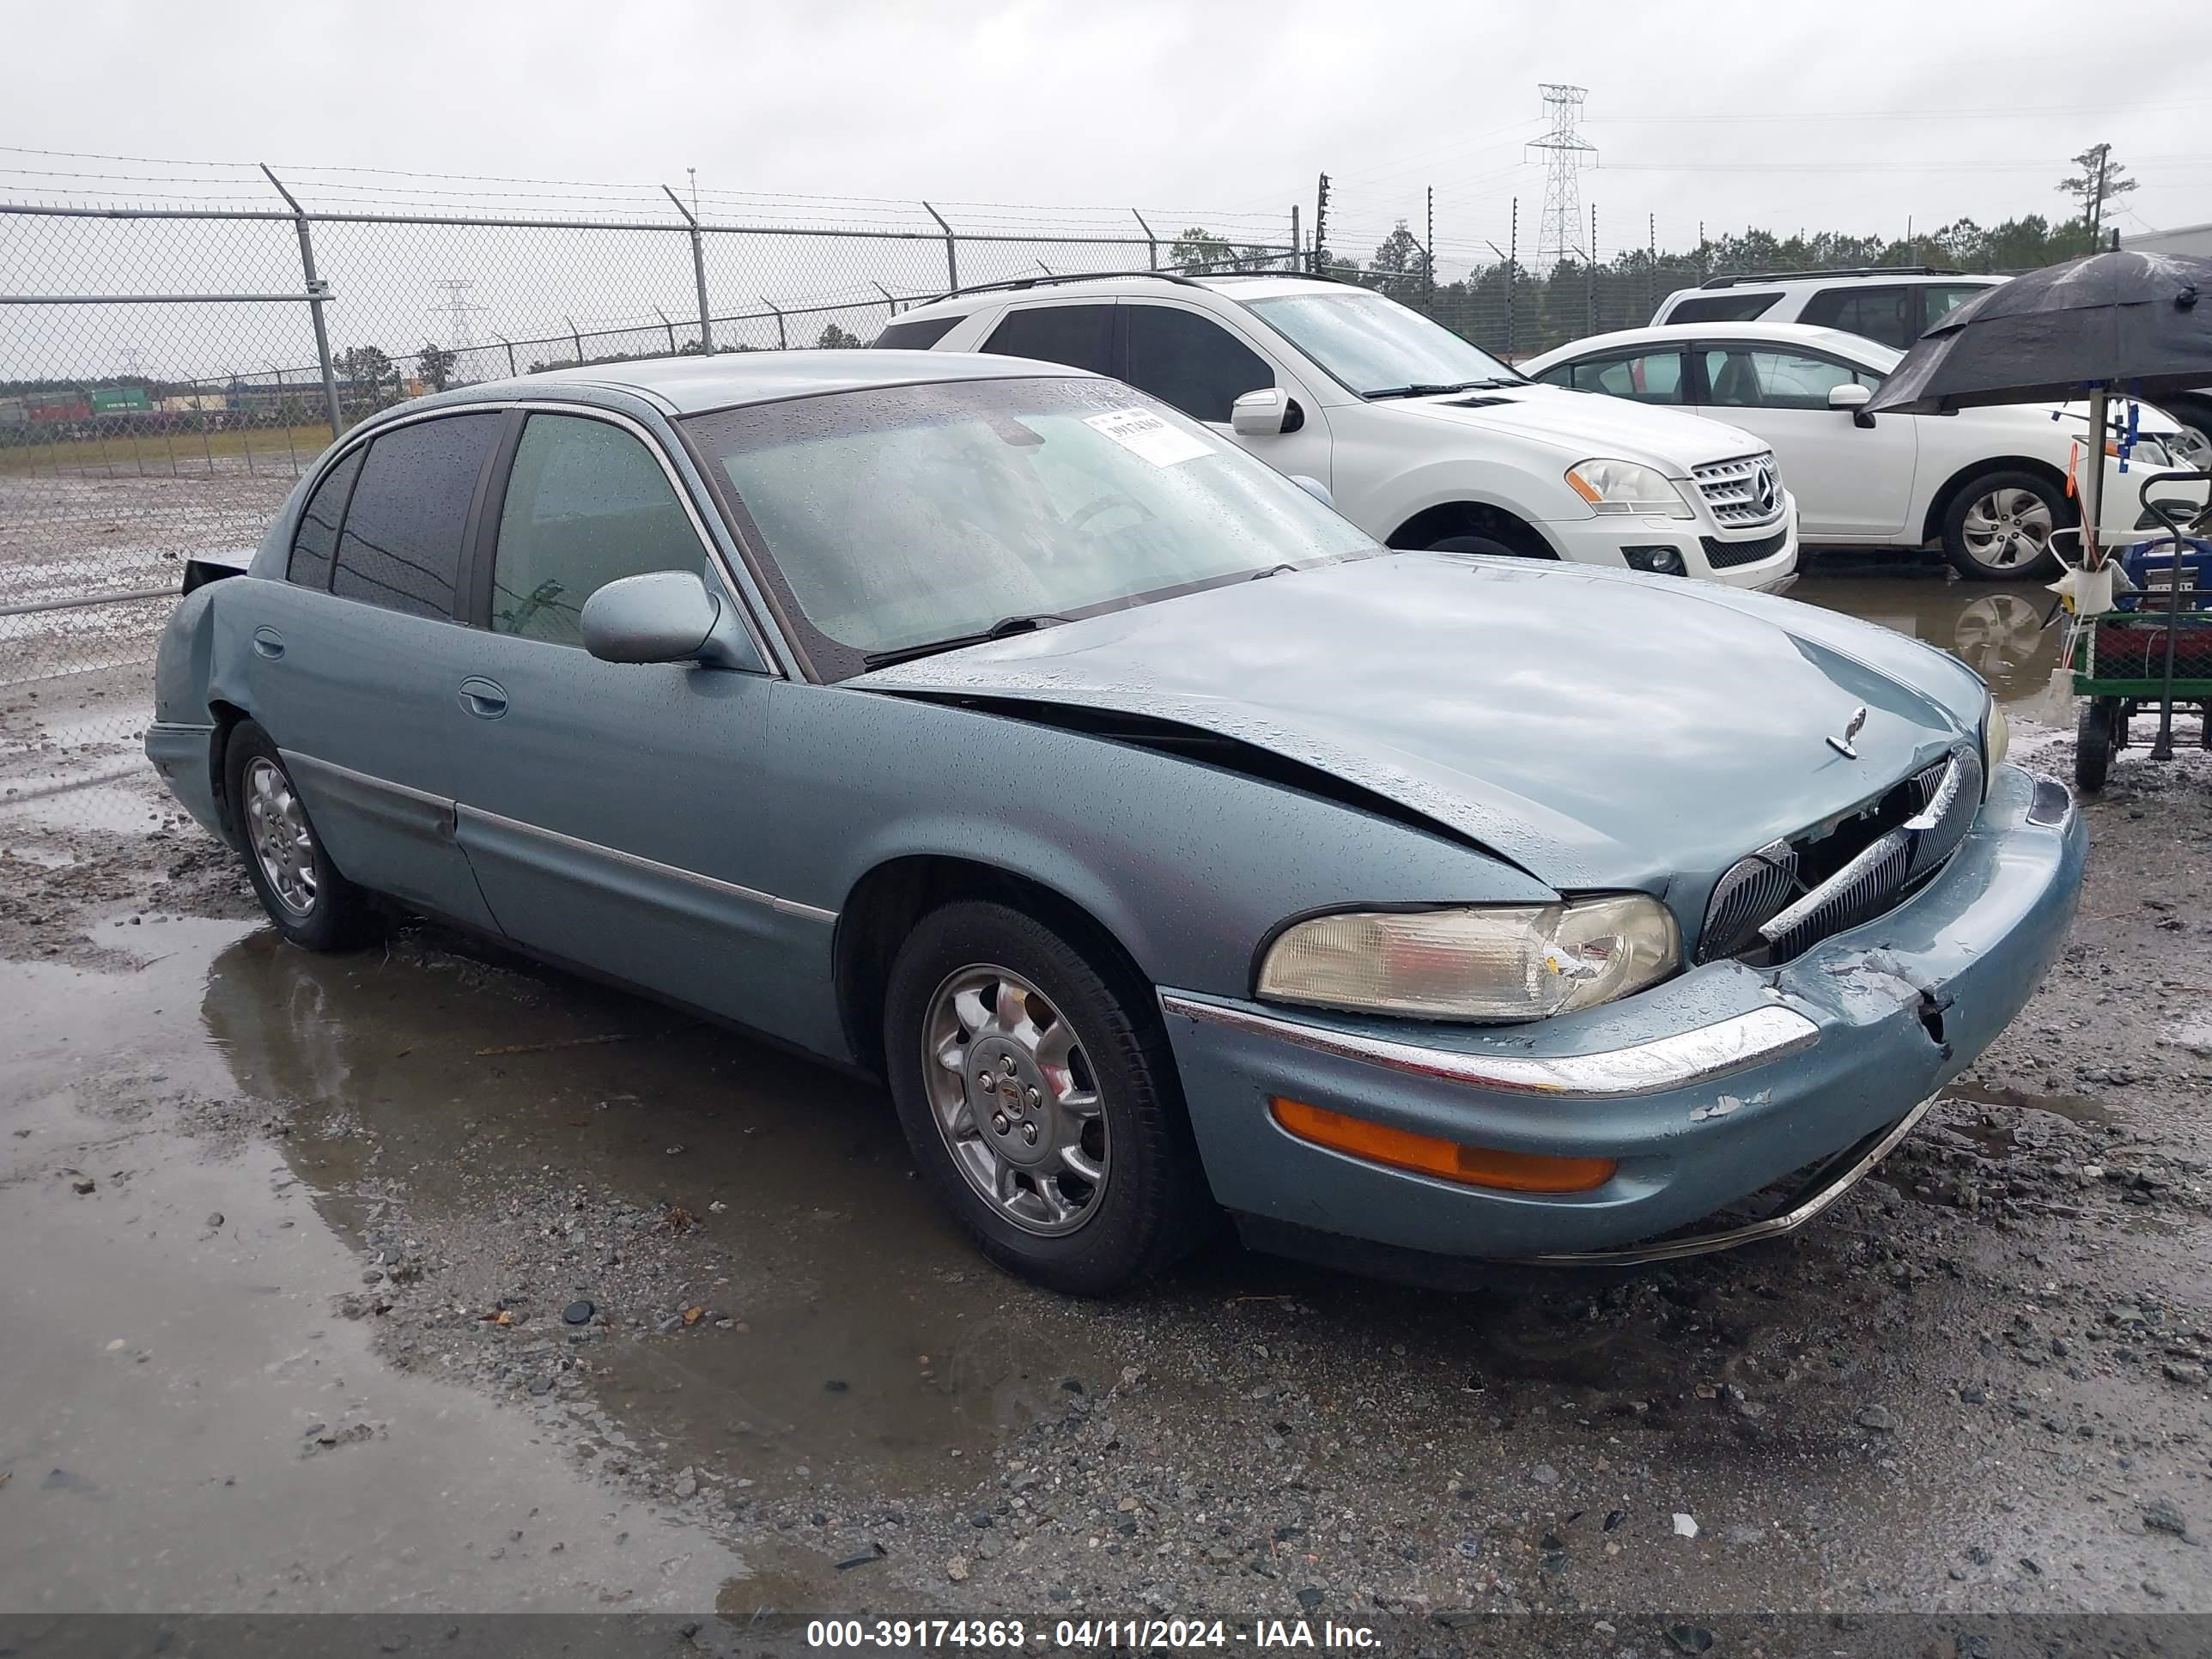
(119, 399)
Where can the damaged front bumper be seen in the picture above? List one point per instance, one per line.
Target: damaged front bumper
(1704, 1090)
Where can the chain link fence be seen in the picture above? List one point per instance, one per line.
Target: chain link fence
(168, 372)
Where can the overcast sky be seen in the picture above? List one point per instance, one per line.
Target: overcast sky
(1853, 114)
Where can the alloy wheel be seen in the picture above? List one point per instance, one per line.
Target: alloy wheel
(278, 830)
(2008, 529)
(1016, 1100)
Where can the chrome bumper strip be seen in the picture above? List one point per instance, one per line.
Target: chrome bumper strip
(1677, 1060)
(1729, 1238)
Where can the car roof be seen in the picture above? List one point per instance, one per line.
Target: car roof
(1797, 334)
(692, 384)
(1248, 285)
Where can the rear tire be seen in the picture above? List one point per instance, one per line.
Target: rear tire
(2095, 739)
(1999, 526)
(311, 904)
(1041, 1099)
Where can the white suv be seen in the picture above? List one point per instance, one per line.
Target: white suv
(1894, 304)
(1421, 439)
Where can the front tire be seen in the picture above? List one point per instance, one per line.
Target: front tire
(311, 904)
(1041, 1100)
(1999, 526)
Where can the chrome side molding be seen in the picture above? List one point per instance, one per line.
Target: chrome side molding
(1677, 1060)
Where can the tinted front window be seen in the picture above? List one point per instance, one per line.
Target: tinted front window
(910, 514)
(401, 542)
(318, 535)
(918, 335)
(1373, 345)
(1725, 307)
(1742, 377)
(1939, 300)
(1189, 361)
(586, 504)
(1890, 315)
(1082, 337)
(401, 547)
(1643, 377)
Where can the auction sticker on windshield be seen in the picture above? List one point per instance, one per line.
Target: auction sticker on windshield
(1143, 432)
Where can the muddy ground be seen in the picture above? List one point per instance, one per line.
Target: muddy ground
(424, 1278)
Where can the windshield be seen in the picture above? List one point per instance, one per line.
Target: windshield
(1374, 345)
(898, 517)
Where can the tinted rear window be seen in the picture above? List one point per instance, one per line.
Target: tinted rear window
(918, 335)
(1082, 337)
(401, 547)
(1721, 307)
(318, 535)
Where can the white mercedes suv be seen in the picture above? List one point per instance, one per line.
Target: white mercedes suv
(1421, 439)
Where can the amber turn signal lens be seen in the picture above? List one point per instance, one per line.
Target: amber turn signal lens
(1476, 1166)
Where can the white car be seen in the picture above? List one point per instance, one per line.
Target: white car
(1989, 483)
(1893, 305)
(1419, 439)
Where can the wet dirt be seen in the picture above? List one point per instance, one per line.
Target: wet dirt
(795, 1385)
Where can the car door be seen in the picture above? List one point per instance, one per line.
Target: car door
(1196, 363)
(351, 661)
(1851, 481)
(614, 812)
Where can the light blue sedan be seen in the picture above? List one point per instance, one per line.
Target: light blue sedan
(1169, 849)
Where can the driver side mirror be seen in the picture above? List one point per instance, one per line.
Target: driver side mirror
(1267, 413)
(666, 616)
(1853, 397)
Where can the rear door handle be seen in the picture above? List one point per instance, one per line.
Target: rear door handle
(485, 699)
(269, 643)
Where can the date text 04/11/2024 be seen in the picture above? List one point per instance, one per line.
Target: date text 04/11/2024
(1085, 1633)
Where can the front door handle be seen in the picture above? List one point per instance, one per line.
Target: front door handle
(485, 699)
(268, 642)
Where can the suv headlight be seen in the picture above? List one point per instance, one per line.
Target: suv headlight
(1626, 488)
(1504, 961)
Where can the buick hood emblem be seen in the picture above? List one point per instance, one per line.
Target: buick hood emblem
(1852, 727)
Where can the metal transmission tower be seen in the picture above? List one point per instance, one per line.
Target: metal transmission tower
(1566, 153)
(456, 306)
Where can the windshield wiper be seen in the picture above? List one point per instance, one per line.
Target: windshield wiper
(998, 630)
(1421, 391)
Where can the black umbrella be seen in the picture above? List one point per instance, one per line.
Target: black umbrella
(2125, 322)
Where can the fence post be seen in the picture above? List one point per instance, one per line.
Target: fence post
(698, 275)
(509, 344)
(317, 297)
(1151, 242)
(889, 302)
(670, 326)
(952, 250)
(782, 339)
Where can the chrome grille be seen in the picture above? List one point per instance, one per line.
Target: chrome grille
(1731, 489)
(1753, 912)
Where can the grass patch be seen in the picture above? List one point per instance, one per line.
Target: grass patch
(274, 451)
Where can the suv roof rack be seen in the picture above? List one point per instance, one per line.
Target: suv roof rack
(1737, 278)
(1047, 279)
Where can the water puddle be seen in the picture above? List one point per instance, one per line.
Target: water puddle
(1996, 628)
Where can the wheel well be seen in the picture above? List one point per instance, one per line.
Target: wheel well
(227, 718)
(1471, 518)
(1940, 503)
(885, 905)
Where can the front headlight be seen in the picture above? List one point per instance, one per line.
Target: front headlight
(1504, 962)
(1627, 489)
(1996, 738)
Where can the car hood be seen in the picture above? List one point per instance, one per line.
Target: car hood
(1589, 425)
(1600, 730)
